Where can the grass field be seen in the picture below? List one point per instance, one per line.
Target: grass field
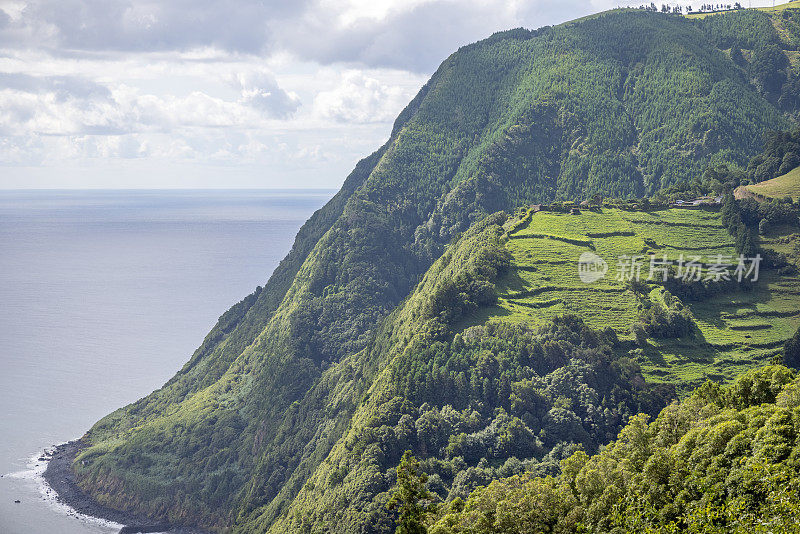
(795, 4)
(735, 330)
(787, 185)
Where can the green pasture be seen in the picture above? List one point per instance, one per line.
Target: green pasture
(735, 330)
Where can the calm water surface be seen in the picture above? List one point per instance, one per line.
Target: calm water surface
(103, 296)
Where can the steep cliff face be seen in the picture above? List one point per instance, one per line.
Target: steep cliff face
(620, 104)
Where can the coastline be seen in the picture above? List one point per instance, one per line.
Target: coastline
(59, 477)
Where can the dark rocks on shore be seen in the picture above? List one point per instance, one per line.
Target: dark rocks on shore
(136, 530)
(61, 479)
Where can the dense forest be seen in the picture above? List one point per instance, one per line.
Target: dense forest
(723, 460)
(371, 338)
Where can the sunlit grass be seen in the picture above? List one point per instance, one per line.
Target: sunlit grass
(787, 185)
(795, 4)
(735, 330)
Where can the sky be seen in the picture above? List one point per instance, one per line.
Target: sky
(220, 94)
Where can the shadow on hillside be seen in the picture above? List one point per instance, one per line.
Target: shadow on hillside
(511, 282)
(714, 319)
(693, 347)
(653, 355)
(479, 317)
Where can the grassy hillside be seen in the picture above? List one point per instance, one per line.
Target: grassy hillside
(779, 8)
(266, 422)
(546, 251)
(734, 329)
(470, 352)
(723, 460)
(787, 185)
(776, 10)
(489, 400)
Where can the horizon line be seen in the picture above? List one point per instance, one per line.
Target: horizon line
(68, 189)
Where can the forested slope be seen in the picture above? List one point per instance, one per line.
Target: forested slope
(488, 400)
(724, 460)
(296, 407)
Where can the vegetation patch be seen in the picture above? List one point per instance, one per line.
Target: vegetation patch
(733, 327)
(787, 185)
(723, 460)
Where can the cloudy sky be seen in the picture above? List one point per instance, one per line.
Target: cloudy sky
(204, 93)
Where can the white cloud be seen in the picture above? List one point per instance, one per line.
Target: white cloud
(353, 10)
(289, 90)
(70, 106)
(359, 98)
(261, 91)
(21, 150)
(108, 146)
(146, 25)
(68, 120)
(408, 34)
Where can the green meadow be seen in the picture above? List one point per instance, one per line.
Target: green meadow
(735, 330)
(777, 9)
(787, 185)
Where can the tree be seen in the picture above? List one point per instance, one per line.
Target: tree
(639, 333)
(791, 351)
(736, 55)
(729, 209)
(746, 244)
(767, 67)
(411, 498)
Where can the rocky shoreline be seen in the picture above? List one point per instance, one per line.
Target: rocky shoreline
(61, 479)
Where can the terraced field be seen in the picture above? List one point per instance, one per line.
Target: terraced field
(735, 330)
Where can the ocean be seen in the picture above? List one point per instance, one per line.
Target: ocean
(104, 295)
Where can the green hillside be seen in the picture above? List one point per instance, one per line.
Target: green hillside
(723, 460)
(781, 7)
(787, 185)
(487, 400)
(369, 338)
(734, 329)
(778, 9)
(473, 353)
(546, 251)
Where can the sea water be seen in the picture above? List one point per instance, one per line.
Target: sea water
(104, 295)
